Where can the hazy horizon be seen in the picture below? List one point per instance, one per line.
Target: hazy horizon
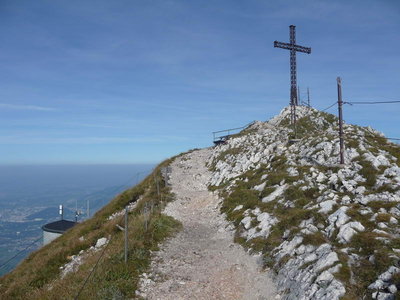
(30, 196)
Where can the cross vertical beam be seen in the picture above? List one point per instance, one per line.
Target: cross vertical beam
(293, 67)
(293, 47)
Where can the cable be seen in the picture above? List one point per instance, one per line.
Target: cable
(372, 136)
(371, 102)
(133, 179)
(330, 106)
(94, 268)
(6, 262)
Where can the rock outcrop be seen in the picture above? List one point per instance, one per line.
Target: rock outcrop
(327, 230)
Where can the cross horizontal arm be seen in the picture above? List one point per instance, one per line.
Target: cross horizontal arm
(288, 46)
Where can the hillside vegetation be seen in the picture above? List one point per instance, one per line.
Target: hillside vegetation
(328, 231)
(59, 269)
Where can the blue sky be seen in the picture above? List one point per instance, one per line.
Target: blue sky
(139, 81)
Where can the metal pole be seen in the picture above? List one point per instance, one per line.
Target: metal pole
(308, 97)
(298, 96)
(294, 124)
(293, 68)
(340, 105)
(126, 234)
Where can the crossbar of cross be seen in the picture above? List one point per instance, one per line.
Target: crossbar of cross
(293, 47)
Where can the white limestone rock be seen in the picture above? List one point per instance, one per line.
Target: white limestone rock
(326, 261)
(337, 219)
(260, 187)
(246, 221)
(101, 242)
(266, 221)
(347, 231)
(278, 192)
(239, 207)
(392, 288)
(270, 141)
(326, 206)
(360, 190)
(376, 161)
(309, 229)
(292, 172)
(321, 177)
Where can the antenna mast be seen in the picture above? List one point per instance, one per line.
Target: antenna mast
(61, 211)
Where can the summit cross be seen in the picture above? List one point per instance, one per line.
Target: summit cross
(293, 68)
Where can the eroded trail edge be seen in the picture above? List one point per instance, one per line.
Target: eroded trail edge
(202, 261)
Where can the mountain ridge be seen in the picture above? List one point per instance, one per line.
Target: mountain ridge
(328, 231)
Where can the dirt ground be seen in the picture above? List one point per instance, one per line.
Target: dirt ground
(202, 262)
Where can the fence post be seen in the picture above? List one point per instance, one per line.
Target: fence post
(126, 234)
(340, 105)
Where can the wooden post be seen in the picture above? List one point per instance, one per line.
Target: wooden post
(126, 234)
(340, 105)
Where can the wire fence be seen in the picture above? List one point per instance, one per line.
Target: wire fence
(330, 106)
(146, 211)
(5, 263)
(366, 103)
(93, 269)
(370, 102)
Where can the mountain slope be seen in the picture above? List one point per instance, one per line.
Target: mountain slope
(329, 231)
(60, 269)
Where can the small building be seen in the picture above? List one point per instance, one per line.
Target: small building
(53, 230)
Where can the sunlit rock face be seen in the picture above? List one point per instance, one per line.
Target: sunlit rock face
(320, 225)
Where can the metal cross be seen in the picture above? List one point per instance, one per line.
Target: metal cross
(293, 69)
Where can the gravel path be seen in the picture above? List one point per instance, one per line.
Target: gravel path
(202, 262)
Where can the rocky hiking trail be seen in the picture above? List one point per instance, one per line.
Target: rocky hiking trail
(202, 261)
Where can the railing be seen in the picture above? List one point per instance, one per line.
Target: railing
(220, 137)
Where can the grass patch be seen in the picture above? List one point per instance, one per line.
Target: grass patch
(314, 239)
(383, 218)
(247, 198)
(368, 172)
(37, 277)
(366, 272)
(386, 188)
(376, 205)
(257, 244)
(352, 144)
(231, 151)
(365, 243)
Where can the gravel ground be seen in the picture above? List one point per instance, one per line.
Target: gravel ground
(202, 262)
